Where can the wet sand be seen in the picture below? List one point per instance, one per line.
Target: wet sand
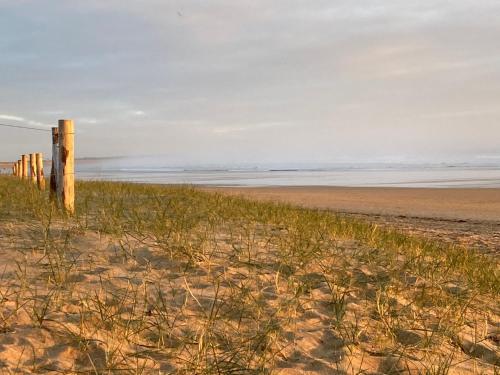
(469, 217)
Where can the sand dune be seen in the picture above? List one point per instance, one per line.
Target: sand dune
(155, 279)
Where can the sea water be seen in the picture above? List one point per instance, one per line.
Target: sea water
(355, 175)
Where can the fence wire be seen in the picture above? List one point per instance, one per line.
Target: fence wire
(25, 127)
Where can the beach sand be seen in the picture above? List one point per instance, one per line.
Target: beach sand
(469, 217)
(157, 279)
(451, 204)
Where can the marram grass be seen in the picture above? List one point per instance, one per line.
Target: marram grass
(191, 282)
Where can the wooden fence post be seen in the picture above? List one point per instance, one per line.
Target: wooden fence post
(24, 162)
(40, 178)
(19, 169)
(33, 168)
(66, 185)
(54, 178)
(14, 169)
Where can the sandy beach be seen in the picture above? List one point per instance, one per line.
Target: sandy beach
(250, 187)
(169, 279)
(470, 217)
(451, 204)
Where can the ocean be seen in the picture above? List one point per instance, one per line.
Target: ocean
(423, 176)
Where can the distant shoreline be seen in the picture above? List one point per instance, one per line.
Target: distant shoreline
(407, 177)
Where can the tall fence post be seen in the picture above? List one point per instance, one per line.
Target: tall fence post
(40, 178)
(33, 168)
(54, 178)
(66, 183)
(24, 162)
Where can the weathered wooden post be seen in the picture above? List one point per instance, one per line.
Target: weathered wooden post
(66, 183)
(19, 169)
(14, 169)
(24, 162)
(54, 178)
(40, 178)
(33, 168)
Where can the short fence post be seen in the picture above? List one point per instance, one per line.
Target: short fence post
(66, 183)
(24, 162)
(40, 178)
(14, 169)
(54, 178)
(33, 168)
(19, 169)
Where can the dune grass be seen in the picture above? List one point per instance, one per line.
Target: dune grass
(162, 279)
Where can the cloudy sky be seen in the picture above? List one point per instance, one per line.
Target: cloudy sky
(225, 81)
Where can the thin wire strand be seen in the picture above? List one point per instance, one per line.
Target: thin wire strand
(25, 127)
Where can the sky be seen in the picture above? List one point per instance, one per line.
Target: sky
(229, 82)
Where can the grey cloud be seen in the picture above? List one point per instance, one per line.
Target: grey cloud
(199, 80)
